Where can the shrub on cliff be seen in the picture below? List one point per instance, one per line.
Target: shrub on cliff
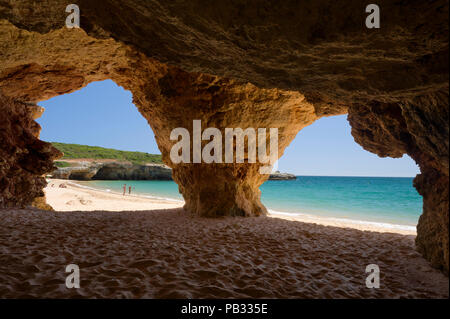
(75, 151)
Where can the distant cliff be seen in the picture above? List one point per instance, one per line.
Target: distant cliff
(83, 162)
(80, 152)
(111, 170)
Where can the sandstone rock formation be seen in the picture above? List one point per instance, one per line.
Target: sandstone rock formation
(81, 173)
(23, 157)
(281, 176)
(114, 171)
(238, 64)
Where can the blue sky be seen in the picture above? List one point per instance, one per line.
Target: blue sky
(102, 114)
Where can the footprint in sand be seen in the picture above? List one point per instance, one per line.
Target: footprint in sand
(85, 202)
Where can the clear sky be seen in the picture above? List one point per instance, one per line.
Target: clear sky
(102, 114)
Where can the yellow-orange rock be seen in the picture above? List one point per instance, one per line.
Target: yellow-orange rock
(239, 64)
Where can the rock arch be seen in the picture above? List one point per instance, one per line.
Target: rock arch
(244, 64)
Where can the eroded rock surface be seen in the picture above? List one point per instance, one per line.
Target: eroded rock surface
(414, 128)
(114, 171)
(23, 157)
(243, 64)
(282, 176)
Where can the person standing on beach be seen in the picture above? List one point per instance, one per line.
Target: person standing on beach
(124, 189)
(129, 190)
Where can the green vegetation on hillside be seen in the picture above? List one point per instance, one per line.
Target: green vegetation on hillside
(61, 164)
(74, 151)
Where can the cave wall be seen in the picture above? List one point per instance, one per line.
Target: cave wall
(23, 157)
(37, 71)
(245, 64)
(413, 128)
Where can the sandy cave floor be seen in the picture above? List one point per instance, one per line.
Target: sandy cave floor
(168, 254)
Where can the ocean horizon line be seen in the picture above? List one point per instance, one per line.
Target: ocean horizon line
(352, 176)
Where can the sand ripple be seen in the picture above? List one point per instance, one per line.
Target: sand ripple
(167, 254)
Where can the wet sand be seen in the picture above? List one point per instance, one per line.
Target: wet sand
(168, 254)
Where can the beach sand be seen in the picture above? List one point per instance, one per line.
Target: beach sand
(77, 197)
(157, 250)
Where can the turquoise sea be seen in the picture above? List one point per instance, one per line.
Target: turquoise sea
(391, 200)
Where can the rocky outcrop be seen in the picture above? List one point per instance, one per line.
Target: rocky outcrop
(114, 171)
(241, 64)
(23, 157)
(81, 173)
(432, 230)
(277, 176)
(41, 203)
(413, 128)
(120, 171)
